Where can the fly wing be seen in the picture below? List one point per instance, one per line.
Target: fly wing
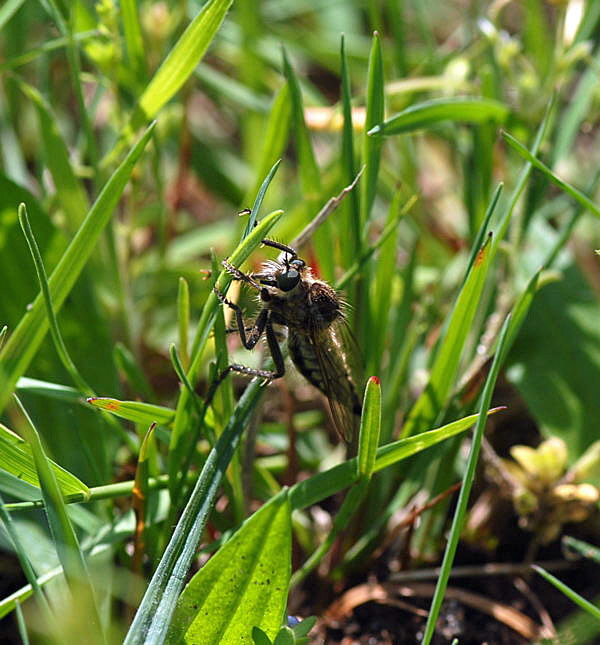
(339, 357)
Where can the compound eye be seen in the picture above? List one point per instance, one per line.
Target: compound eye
(288, 280)
(300, 264)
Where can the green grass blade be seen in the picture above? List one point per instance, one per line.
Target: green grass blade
(27, 337)
(319, 486)
(136, 411)
(8, 10)
(181, 61)
(468, 478)
(16, 458)
(69, 189)
(370, 427)
(582, 548)
(371, 146)
(183, 321)
(154, 614)
(458, 110)
(243, 585)
(586, 605)
(277, 130)
(445, 366)
(352, 230)
(310, 176)
(134, 42)
(573, 192)
(255, 210)
(63, 533)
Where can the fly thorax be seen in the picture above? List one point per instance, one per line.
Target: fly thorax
(325, 303)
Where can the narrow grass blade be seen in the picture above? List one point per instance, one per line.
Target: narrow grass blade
(154, 614)
(63, 534)
(243, 585)
(69, 189)
(582, 548)
(586, 605)
(181, 61)
(8, 10)
(49, 390)
(134, 42)
(464, 109)
(133, 372)
(259, 199)
(310, 176)
(277, 130)
(16, 458)
(371, 146)
(352, 230)
(322, 485)
(573, 192)
(183, 321)
(370, 427)
(445, 366)
(468, 478)
(136, 411)
(27, 337)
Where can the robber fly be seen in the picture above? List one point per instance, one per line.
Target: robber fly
(319, 340)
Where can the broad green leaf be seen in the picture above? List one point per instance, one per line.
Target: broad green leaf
(244, 584)
(458, 109)
(181, 61)
(155, 612)
(137, 411)
(23, 343)
(16, 458)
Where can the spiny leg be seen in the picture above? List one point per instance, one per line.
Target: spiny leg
(256, 330)
(268, 375)
(240, 275)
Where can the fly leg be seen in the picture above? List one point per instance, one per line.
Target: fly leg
(262, 324)
(239, 275)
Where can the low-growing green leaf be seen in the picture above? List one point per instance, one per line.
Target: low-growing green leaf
(243, 585)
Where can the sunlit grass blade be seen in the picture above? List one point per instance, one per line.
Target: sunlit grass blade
(16, 458)
(63, 533)
(181, 61)
(50, 390)
(371, 146)
(445, 366)
(154, 614)
(136, 411)
(370, 427)
(254, 211)
(573, 192)
(464, 109)
(134, 42)
(586, 605)
(8, 10)
(468, 478)
(582, 548)
(183, 321)
(243, 585)
(27, 337)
